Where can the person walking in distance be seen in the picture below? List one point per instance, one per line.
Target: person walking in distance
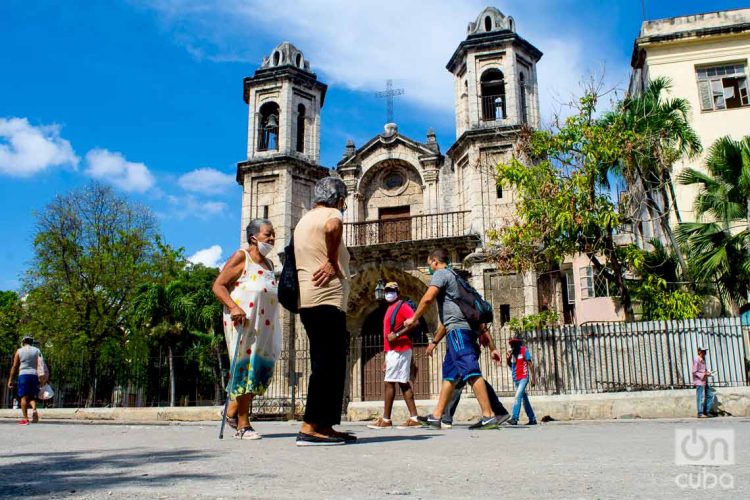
(461, 360)
(398, 358)
(521, 367)
(704, 393)
(26, 361)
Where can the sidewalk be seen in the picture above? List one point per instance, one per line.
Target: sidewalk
(734, 401)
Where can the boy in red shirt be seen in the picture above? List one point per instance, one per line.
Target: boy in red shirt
(398, 352)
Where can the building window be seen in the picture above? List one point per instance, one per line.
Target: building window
(593, 284)
(301, 128)
(499, 191)
(488, 23)
(722, 87)
(504, 313)
(570, 286)
(493, 95)
(264, 211)
(522, 99)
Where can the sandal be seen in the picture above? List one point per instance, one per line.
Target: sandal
(247, 433)
(231, 421)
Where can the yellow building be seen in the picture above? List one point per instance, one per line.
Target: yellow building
(706, 57)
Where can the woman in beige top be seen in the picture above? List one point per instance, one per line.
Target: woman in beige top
(323, 273)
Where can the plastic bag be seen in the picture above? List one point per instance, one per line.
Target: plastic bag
(45, 392)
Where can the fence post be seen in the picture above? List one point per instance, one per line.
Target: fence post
(553, 333)
(292, 365)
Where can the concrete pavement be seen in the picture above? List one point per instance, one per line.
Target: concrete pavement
(613, 459)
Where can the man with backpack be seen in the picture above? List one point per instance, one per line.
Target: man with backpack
(398, 357)
(464, 314)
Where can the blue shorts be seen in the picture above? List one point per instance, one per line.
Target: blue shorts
(28, 386)
(462, 357)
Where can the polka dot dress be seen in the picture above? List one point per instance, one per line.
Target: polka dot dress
(256, 292)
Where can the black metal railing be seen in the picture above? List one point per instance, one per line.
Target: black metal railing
(414, 228)
(493, 107)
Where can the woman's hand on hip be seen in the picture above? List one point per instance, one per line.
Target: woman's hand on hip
(238, 315)
(324, 274)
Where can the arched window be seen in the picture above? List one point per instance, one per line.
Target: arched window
(488, 23)
(276, 57)
(522, 98)
(268, 127)
(301, 128)
(493, 95)
(299, 60)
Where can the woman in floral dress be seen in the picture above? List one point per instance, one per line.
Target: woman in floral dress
(248, 289)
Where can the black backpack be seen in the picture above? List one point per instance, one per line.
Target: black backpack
(475, 309)
(288, 281)
(422, 323)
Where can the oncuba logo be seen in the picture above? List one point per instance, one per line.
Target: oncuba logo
(707, 448)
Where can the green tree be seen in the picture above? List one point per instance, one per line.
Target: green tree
(720, 249)
(92, 249)
(564, 207)
(10, 323)
(661, 135)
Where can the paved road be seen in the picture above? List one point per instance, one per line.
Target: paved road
(616, 459)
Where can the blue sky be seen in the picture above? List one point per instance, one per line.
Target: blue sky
(147, 95)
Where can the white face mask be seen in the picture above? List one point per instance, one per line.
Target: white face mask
(264, 248)
(391, 296)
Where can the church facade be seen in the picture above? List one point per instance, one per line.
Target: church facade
(406, 196)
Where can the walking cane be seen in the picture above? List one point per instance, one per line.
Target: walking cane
(231, 383)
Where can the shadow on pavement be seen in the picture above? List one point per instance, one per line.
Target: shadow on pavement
(385, 439)
(64, 473)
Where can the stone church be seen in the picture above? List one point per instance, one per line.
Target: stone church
(406, 196)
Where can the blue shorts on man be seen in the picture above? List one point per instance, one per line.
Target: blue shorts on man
(28, 386)
(462, 357)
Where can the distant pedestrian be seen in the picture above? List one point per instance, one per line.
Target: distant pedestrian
(323, 273)
(248, 289)
(26, 362)
(398, 357)
(461, 362)
(704, 393)
(521, 367)
(501, 414)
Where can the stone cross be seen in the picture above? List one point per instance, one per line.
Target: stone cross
(389, 93)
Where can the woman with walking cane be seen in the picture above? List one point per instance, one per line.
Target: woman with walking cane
(248, 289)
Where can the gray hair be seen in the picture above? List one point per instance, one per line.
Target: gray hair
(254, 226)
(328, 191)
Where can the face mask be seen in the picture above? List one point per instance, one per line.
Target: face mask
(391, 296)
(264, 248)
(432, 271)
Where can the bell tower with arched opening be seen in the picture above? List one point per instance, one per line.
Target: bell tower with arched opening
(494, 72)
(284, 99)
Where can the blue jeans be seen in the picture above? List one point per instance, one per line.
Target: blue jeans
(704, 395)
(521, 396)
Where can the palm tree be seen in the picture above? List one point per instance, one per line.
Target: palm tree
(720, 248)
(661, 135)
(165, 312)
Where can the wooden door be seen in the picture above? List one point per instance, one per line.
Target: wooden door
(395, 224)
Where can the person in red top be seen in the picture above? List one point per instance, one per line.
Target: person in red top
(398, 351)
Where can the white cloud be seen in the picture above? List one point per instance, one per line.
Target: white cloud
(183, 207)
(209, 257)
(26, 150)
(359, 44)
(206, 181)
(112, 167)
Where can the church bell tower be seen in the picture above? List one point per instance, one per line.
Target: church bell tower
(284, 99)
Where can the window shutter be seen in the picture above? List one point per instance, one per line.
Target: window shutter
(704, 92)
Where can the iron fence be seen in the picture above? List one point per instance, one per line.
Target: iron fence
(413, 228)
(595, 358)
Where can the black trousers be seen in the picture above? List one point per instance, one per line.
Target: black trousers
(329, 344)
(495, 404)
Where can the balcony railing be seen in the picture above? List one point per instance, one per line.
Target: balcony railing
(493, 108)
(414, 228)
